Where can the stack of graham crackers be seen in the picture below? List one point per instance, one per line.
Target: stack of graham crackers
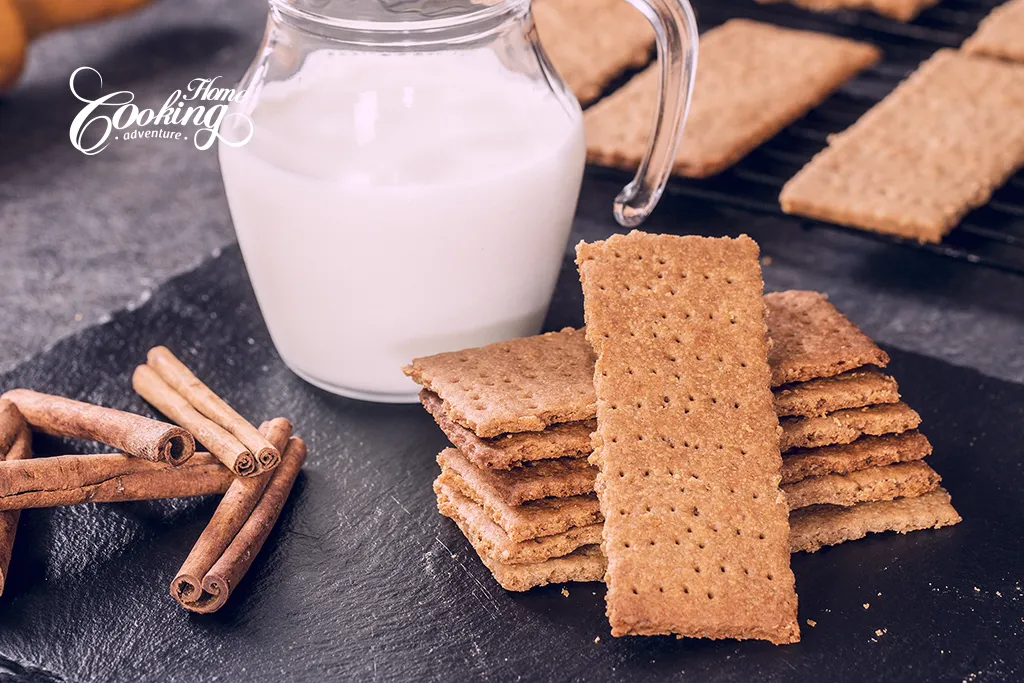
(520, 482)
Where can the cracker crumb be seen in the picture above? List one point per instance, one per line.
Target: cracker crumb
(977, 590)
(598, 639)
(998, 594)
(867, 605)
(880, 632)
(879, 595)
(565, 592)
(455, 557)
(812, 623)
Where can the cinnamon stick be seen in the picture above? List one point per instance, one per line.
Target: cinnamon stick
(15, 444)
(204, 400)
(109, 478)
(229, 569)
(232, 513)
(11, 422)
(134, 434)
(229, 450)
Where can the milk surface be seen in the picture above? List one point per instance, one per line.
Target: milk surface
(394, 206)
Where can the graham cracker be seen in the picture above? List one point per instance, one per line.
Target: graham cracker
(754, 80)
(696, 528)
(901, 10)
(918, 161)
(902, 480)
(490, 540)
(816, 527)
(522, 385)
(867, 451)
(1000, 34)
(583, 565)
(811, 529)
(545, 517)
(590, 42)
(854, 389)
(811, 339)
(815, 476)
(568, 440)
(845, 426)
(560, 478)
(578, 476)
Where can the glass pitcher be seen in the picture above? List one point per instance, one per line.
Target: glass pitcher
(402, 176)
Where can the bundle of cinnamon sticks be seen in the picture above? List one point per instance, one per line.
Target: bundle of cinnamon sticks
(254, 468)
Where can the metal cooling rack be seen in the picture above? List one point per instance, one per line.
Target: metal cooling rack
(992, 235)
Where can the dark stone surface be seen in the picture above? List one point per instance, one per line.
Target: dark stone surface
(363, 580)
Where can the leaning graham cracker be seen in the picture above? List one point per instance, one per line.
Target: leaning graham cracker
(854, 389)
(845, 426)
(811, 339)
(1000, 34)
(522, 385)
(867, 451)
(917, 162)
(696, 528)
(590, 42)
(583, 565)
(560, 478)
(815, 527)
(545, 517)
(488, 539)
(901, 10)
(903, 480)
(753, 80)
(568, 440)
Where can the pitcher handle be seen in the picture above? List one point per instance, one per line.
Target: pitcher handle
(675, 28)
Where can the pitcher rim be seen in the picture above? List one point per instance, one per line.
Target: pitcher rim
(487, 15)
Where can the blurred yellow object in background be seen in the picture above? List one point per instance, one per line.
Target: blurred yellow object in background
(23, 20)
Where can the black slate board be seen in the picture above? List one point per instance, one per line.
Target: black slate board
(363, 580)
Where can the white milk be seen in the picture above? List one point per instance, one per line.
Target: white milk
(394, 206)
